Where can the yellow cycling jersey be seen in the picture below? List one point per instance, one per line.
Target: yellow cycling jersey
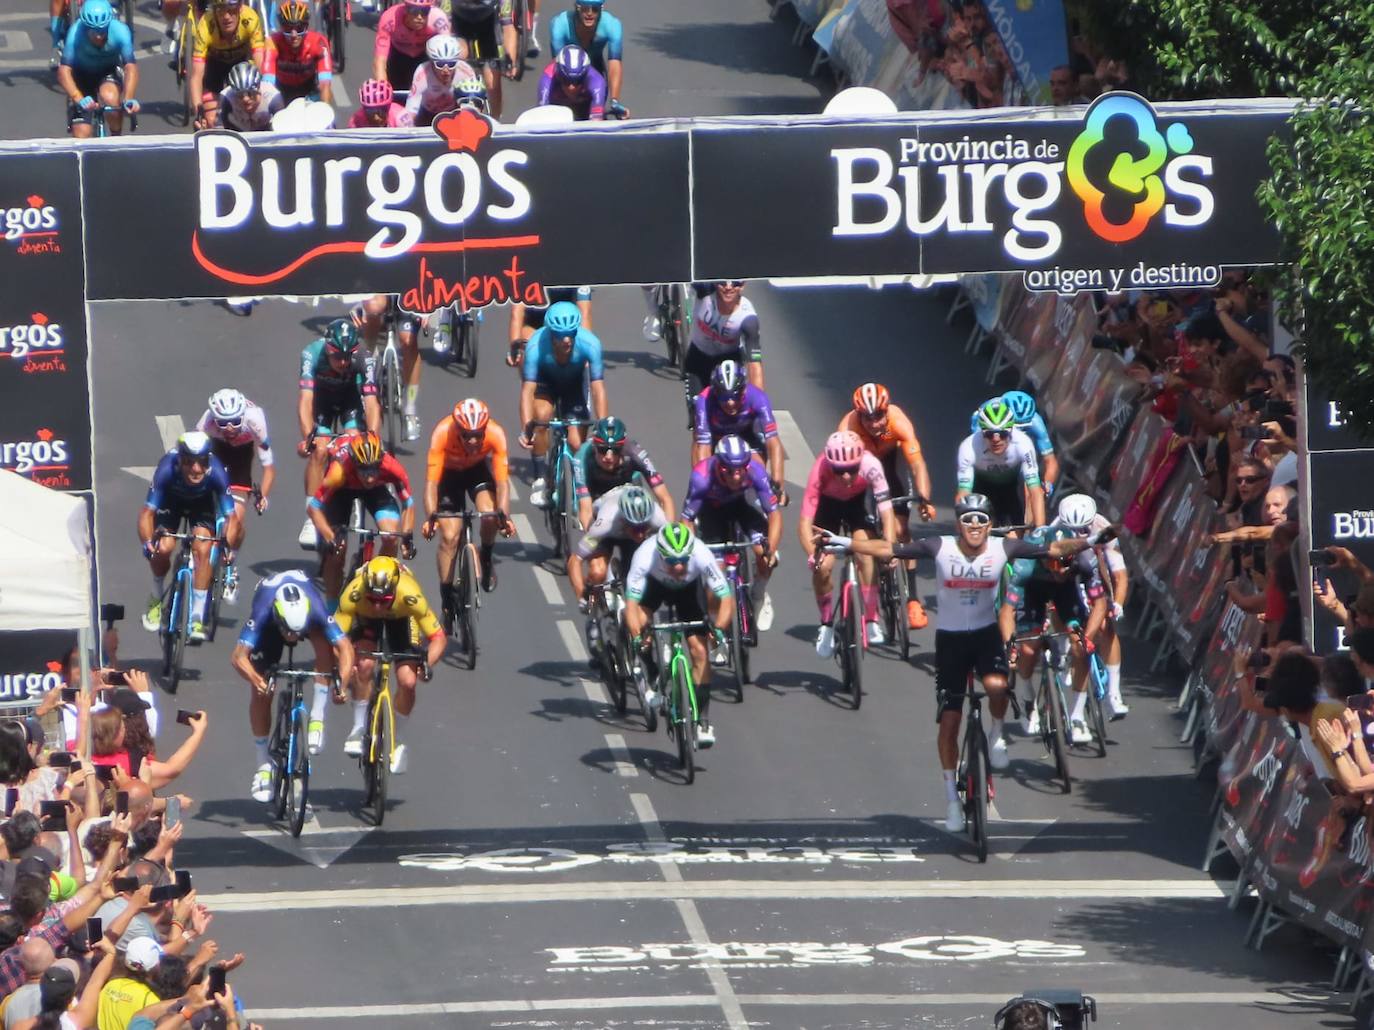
(410, 603)
(210, 45)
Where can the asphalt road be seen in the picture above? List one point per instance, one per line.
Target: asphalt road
(542, 864)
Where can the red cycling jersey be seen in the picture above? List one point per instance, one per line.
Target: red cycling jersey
(343, 475)
(299, 67)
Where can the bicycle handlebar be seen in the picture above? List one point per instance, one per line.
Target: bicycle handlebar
(467, 514)
(673, 627)
(558, 423)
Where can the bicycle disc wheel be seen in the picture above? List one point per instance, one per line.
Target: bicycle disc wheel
(978, 796)
(1097, 722)
(1052, 718)
(298, 771)
(381, 761)
(466, 599)
(855, 644)
(465, 347)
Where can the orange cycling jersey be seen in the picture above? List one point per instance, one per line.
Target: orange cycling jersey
(899, 433)
(446, 450)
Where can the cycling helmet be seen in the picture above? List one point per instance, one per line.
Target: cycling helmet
(1076, 511)
(609, 432)
(1022, 406)
(443, 48)
(844, 449)
(293, 13)
(291, 608)
(375, 93)
(244, 77)
(872, 399)
(563, 318)
(366, 450)
(96, 15)
(636, 506)
(676, 542)
(226, 3)
(471, 93)
(420, 3)
(227, 405)
(973, 502)
(381, 577)
(572, 63)
(341, 335)
(995, 415)
(193, 444)
(727, 378)
(471, 415)
(590, 3)
(732, 452)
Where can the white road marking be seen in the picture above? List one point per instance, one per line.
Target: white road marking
(715, 890)
(342, 102)
(572, 639)
(524, 529)
(624, 764)
(143, 472)
(548, 586)
(318, 845)
(169, 427)
(15, 41)
(800, 457)
(595, 692)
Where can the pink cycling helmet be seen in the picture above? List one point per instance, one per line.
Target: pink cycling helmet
(844, 449)
(375, 93)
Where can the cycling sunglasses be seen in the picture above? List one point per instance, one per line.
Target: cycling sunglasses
(584, 8)
(846, 470)
(734, 284)
(974, 518)
(229, 424)
(294, 28)
(604, 449)
(476, 437)
(197, 460)
(677, 563)
(447, 66)
(996, 434)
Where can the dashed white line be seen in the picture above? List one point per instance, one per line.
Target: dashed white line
(548, 586)
(524, 528)
(342, 102)
(572, 639)
(595, 691)
(624, 764)
(800, 457)
(169, 427)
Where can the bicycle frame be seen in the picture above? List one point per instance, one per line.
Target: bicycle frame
(558, 457)
(678, 660)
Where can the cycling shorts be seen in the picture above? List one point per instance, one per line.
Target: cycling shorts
(959, 652)
(1038, 594)
(568, 402)
(899, 479)
(479, 32)
(336, 412)
(216, 75)
(89, 83)
(378, 501)
(237, 461)
(269, 649)
(842, 517)
(680, 604)
(400, 68)
(402, 635)
(457, 486)
(199, 512)
(716, 522)
(1008, 499)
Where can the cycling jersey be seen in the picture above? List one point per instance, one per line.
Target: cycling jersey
(609, 526)
(410, 603)
(397, 117)
(824, 482)
(260, 617)
(1082, 566)
(236, 116)
(706, 489)
(1035, 429)
(170, 492)
(359, 376)
(85, 58)
(429, 95)
(208, 44)
(394, 33)
(591, 480)
(976, 459)
(754, 421)
(298, 68)
(552, 295)
(899, 433)
(648, 566)
(250, 431)
(606, 42)
(542, 367)
(446, 451)
(719, 335)
(587, 104)
(966, 586)
(1116, 562)
(342, 474)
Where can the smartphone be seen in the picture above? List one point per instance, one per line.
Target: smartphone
(117, 678)
(11, 799)
(1254, 433)
(122, 803)
(105, 773)
(111, 612)
(125, 884)
(183, 882)
(1321, 557)
(184, 717)
(167, 892)
(52, 809)
(172, 815)
(1362, 703)
(218, 979)
(69, 695)
(95, 930)
(61, 759)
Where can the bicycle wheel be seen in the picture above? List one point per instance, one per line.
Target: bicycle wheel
(887, 603)
(567, 508)
(391, 398)
(379, 754)
(1097, 722)
(641, 682)
(465, 346)
(278, 748)
(611, 672)
(181, 611)
(900, 598)
(739, 640)
(184, 48)
(214, 599)
(673, 323)
(522, 38)
(977, 800)
(465, 597)
(686, 729)
(854, 620)
(297, 785)
(337, 23)
(126, 13)
(1055, 727)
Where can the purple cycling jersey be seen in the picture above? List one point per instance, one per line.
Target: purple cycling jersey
(706, 488)
(587, 104)
(754, 421)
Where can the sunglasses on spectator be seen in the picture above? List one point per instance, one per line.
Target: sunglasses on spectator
(1249, 480)
(973, 518)
(995, 434)
(447, 66)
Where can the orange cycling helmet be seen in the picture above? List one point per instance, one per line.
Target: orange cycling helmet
(366, 449)
(293, 12)
(871, 399)
(471, 415)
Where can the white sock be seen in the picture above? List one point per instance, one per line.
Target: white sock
(757, 589)
(950, 793)
(260, 749)
(1080, 702)
(198, 599)
(159, 584)
(996, 733)
(412, 392)
(650, 304)
(359, 714)
(320, 700)
(1114, 681)
(401, 720)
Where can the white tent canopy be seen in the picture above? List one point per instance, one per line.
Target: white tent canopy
(45, 557)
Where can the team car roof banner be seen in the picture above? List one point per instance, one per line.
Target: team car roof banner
(1119, 195)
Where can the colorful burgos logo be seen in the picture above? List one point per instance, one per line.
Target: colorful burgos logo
(44, 459)
(1122, 143)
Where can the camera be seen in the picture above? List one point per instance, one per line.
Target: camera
(1051, 1010)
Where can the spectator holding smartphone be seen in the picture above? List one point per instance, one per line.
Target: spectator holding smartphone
(110, 745)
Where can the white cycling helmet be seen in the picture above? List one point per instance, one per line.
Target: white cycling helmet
(443, 48)
(291, 608)
(227, 405)
(1077, 511)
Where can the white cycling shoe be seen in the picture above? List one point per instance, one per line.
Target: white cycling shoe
(262, 784)
(315, 737)
(353, 743)
(825, 641)
(539, 493)
(997, 754)
(763, 618)
(954, 816)
(875, 634)
(400, 760)
(1116, 707)
(706, 735)
(1079, 732)
(308, 536)
(653, 328)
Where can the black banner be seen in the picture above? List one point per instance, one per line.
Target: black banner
(32, 663)
(1342, 499)
(45, 427)
(1325, 427)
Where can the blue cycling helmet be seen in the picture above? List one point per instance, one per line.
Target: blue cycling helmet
(96, 15)
(1022, 406)
(591, 3)
(573, 63)
(563, 318)
(733, 452)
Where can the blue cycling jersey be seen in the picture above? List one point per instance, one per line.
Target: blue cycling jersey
(606, 43)
(171, 492)
(81, 55)
(1035, 429)
(260, 615)
(541, 366)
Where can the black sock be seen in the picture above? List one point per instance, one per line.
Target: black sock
(912, 585)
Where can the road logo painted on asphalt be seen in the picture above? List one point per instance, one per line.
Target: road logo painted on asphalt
(557, 860)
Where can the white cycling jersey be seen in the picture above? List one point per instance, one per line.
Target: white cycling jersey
(608, 525)
(967, 588)
(1018, 460)
(253, 430)
(648, 564)
(715, 334)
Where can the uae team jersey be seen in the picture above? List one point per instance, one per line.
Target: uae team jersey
(966, 586)
(718, 335)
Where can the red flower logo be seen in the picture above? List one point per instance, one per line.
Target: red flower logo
(44, 434)
(35, 200)
(462, 130)
(54, 666)
(39, 318)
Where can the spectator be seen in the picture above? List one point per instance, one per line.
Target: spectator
(35, 956)
(130, 992)
(1358, 612)
(1064, 87)
(1292, 692)
(1341, 679)
(111, 744)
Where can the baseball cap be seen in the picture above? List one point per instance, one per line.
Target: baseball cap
(143, 954)
(58, 984)
(127, 701)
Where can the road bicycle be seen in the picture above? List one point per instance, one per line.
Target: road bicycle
(333, 17)
(379, 733)
(390, 386)
(973, 779)
(560, 507)
(175, 628)
(1050, 705)
(102, 126)
(605, 610)
(847, 622)
(737, 559)
(674, 319)
(366, 548)
(460, 621)
(894, 593)
(679, 692)
(289, 743)
(460, 327)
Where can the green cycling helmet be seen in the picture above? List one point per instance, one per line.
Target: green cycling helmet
(636, 506)
(676, 541)
(995, 415)
(341, 335)
(609, 432)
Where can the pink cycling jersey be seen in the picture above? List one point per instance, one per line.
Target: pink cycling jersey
(392, 31)
(824, 482)
(427, 93)
(397, 117)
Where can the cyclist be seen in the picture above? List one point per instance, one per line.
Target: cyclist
(527, 319)
(998, 461)
(672, 569)
(724, 325)
(1029, 421)
(237, 429)
(557, 361)
(287, 609)
(718, 501)
(298, 61)
(570, 81)
(1075, 589)
(597, 31)
(887, 434)
(402, 32)
(367, 473)
(467, 461)
(1079, 513)
(384, 598)
(846, 489)
(370, 318)
(475, 22)
(377, 108)
(246, 102)
(609, 460)
(338, 388)
(189, 484)
(733, 406)
(97, 65)
(226, 35)
(433, 90)
(968, 640)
